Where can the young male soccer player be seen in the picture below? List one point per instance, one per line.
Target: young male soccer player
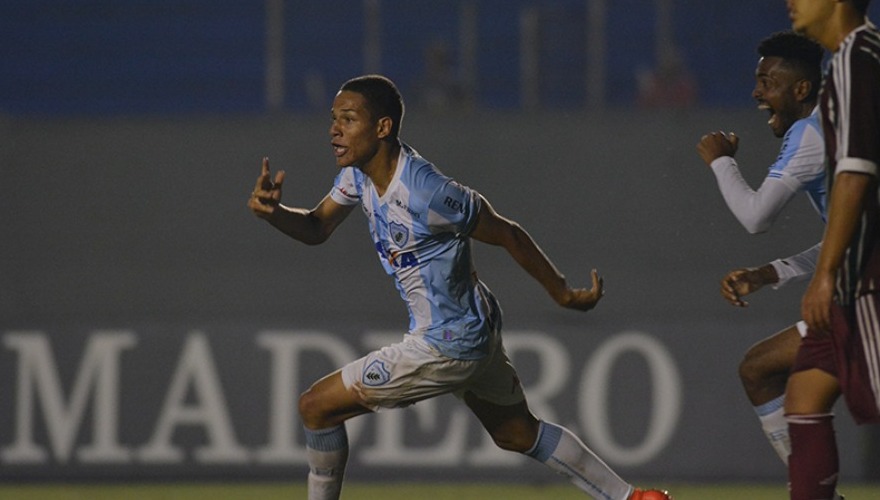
(421, 223)
(787, 82)
(840, 353)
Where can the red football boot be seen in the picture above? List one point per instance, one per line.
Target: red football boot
(639, 494)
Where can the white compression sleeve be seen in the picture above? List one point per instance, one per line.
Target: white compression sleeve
(797, 267)
(755, 210)
(563, 452)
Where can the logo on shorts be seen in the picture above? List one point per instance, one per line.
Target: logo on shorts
(376, 374)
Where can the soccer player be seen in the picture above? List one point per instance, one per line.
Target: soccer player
(422, 223)
(840, 352)
(787, 82)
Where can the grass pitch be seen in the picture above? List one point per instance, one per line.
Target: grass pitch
(389, 491)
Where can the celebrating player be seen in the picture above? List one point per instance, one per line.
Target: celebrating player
(840, 352)
(421, 223)
(787, 82)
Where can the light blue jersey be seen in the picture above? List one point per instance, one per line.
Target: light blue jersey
(420, 228)
(801, 161)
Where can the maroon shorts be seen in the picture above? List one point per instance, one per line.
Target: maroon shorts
(851, 353)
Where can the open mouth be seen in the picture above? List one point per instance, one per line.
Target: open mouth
(766, 107)
(338, 150)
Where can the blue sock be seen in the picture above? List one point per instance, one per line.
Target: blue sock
(327, 451)
(330, 439)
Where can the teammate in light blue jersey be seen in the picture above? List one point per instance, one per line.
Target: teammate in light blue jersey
(422, 224)
(788, 78)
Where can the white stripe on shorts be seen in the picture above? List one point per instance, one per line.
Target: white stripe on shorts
(869, 331)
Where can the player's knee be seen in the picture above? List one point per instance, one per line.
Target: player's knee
(310, 410)
(750, 372)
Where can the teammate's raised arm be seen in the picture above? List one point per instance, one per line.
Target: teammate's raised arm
(714, 145)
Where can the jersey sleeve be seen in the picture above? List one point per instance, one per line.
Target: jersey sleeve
(453, 208)
(755, 210)
(346, 190)
(802, 157)
(797, 267)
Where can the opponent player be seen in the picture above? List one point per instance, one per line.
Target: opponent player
(421, 223)
(840, 352)
(788, 78)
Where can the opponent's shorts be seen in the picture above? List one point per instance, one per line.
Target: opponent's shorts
(851, 353)
(404, 373)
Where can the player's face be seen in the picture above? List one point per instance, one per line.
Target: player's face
(775, 92)
(354, 134)
(810, 17)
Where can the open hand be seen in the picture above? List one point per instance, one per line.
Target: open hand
(583, 299)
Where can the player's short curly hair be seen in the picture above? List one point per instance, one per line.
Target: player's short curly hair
(383, 98)
(799, 53)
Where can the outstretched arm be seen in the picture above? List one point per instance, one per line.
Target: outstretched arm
(308, 226)
(494, 229)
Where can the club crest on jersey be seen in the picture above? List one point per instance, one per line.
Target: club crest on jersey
(399, 233)
(376, 374)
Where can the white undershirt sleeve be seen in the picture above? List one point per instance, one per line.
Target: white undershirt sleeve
(797, 267)
(857, 165)
(755, 210)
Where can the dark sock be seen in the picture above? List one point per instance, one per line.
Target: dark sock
(813, 464)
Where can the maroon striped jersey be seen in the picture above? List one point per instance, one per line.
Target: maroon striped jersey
(850, 109)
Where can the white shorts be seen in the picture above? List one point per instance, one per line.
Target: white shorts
(404, 373)
(802, 328)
